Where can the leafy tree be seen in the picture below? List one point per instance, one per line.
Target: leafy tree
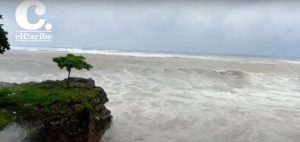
(71, 61)
(4, 45)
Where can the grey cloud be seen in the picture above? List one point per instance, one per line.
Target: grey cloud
(231, 27)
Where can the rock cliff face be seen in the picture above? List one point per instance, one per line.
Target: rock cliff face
(79, 118)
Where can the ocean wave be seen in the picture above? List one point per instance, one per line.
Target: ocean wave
(94, 51)
(211, 73)
(290, 61)
(233, 72)
(155, 54)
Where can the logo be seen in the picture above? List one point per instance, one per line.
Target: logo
(40, 31)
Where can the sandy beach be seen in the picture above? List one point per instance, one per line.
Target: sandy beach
(159, 99)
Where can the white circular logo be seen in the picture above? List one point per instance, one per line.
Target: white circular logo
(22, 12)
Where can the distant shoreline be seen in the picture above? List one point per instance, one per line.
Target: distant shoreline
(156, 54)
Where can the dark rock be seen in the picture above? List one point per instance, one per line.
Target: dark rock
(89, 125)
(73, 124)
(81, 82)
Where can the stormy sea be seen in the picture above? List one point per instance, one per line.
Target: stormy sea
(178, 98)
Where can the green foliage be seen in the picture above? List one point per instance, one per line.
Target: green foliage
(4, 45)
(71, 61)
(5, 118)
(36, 104)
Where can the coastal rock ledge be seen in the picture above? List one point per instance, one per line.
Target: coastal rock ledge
(53, 113)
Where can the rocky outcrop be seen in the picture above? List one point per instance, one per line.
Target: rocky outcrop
(83, 118)
(90, 123)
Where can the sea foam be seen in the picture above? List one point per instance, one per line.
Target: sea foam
(183, 100)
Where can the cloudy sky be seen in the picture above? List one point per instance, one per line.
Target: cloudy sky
(250, 27)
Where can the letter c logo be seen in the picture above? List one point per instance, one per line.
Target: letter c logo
(22, 11)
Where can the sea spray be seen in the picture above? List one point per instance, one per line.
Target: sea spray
(13, 133)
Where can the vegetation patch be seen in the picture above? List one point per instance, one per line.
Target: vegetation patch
(44, 103)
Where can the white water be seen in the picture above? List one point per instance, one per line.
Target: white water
(193, 105)
(184, 100)
(13, 133)
(152, 54)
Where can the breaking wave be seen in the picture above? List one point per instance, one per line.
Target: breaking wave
(156, 54)
(230, 72)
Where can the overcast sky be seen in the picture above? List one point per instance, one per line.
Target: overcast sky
(252, 27)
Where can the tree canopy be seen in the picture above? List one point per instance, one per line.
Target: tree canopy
(4, 44)
(71, 61)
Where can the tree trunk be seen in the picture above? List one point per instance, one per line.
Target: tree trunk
(69, 73)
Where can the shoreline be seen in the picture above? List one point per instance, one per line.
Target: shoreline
(15, 60)
(156, 54)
